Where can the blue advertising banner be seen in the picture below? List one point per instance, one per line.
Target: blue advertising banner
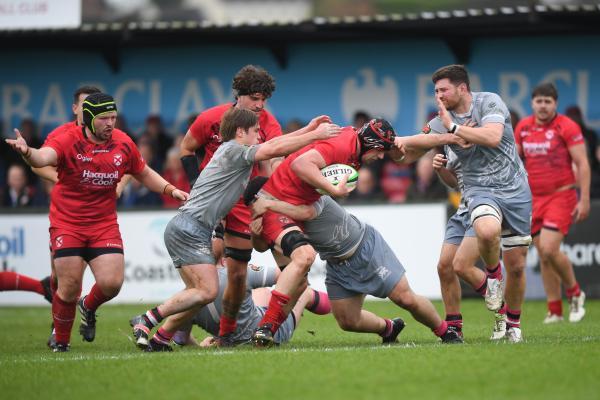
(389, 78)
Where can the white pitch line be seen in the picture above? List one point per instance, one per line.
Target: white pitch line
(208, 353)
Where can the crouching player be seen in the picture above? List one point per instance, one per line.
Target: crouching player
(359, 262)
(253, 307)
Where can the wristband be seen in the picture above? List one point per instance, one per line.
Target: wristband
(168, 190)
(454, 128)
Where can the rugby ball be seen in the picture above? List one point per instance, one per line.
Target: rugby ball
(335, 172)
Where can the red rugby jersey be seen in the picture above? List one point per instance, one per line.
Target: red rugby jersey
(285, 184)
(546, 152)
(205, 129)
(88, 174)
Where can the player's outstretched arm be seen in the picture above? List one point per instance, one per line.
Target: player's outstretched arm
(311, 126)
(153, 181)
(308, 168)
(48, 173)
(299, 213)
(578, 154)
(284, 145)
(37, 158)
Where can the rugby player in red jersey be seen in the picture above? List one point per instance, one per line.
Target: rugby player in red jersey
(90, 161)
(550, 143)
(252, 87)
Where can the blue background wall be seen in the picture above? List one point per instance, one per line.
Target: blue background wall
(389, 78)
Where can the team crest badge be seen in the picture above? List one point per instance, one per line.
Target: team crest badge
(59, 241)
(284, 220)
(118, 159)
(549, 135)
(426, 129)
(255, 268)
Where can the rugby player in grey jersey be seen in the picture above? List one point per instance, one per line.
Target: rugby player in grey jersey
(460, 252)
(496, 190)
(359, 262)
(188, 235)
(254, 304)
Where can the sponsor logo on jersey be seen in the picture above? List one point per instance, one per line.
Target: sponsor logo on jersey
(100, 151)
(118, 159)
(109, 244)
(255, 267)
(83, 158)
(536, 148)
(99, 178)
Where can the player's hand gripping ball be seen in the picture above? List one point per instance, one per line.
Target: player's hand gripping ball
(334, 173)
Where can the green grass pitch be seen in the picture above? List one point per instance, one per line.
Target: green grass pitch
(559, 361)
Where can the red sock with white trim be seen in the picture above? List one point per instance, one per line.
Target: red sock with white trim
(63, 315)
(575, 291)
(275, 314)
(555, 307)
(10, 280)
(95, 298)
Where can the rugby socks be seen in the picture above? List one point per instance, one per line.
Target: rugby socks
(555, 307)
(513, 318)
(494, 272)
(388, 328)
(455, 320)
(441, 330)
(482, 287)
(575, 291)
(95, 298)
(226, 325)
(320, 304)
(152, 318)
(63, 315)
(275, 314)
(163, 336)
(12, 281)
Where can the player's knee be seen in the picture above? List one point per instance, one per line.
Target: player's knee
(548, 252)
(348, 322)
(406, 299)
(202, 295)
(304, 256)
(445, 269)
(459, 265)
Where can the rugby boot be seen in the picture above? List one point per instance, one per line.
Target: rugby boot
(87, 328)
(140, 331)
(263, 337)
(494, 295)
(552, 318)
(514, 335)
(397, 326)
(47, 290)
(576, 309)
(499, 331)
(452, 336)
(156, 346)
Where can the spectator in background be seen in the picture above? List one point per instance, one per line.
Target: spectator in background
(395, 181)
(41, 196)
(18, 193)
(426, 186)
(173, 172)
(593, 148)
(156, 135)
(367, 188)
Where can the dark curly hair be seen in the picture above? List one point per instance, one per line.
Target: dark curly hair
(253, 79)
